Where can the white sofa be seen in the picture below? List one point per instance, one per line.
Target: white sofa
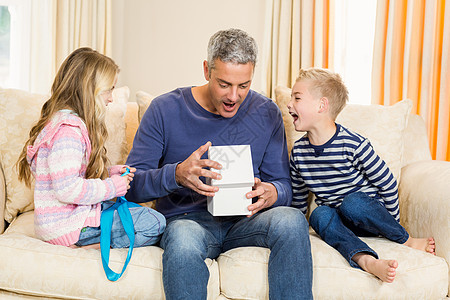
(30, 268)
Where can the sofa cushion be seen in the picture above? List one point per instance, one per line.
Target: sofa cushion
(20, 111)
(143, 100)
(417, 147)
(116, 144)
(132, 122)
(57, 271)
(424, 275)
(384, 126)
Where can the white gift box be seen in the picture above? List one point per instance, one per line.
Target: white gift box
(237, 180)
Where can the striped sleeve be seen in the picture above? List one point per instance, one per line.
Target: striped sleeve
(65, 160)
(299, 189)
(379, 175)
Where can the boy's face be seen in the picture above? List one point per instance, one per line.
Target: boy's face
(228, 86)
(304, 107)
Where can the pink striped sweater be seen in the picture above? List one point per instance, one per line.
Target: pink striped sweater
(64, 200)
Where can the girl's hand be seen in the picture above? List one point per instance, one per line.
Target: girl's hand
(129, 176)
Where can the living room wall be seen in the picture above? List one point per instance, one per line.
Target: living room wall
(161, 45)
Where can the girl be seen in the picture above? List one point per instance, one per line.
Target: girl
(66, 155)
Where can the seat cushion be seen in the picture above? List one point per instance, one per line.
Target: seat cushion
(243, 273)
(33, 267)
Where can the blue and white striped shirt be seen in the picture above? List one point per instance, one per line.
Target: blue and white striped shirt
(345, 164)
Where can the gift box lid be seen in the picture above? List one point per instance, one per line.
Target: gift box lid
(237, 166)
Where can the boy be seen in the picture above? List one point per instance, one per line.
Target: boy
(355, 191)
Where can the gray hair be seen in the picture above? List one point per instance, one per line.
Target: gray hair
(232, 45)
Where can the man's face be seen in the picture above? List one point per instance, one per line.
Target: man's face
(228, 86)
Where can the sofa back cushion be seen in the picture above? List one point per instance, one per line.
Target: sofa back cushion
(143, 100)
(417, 147)
(19, 111)
(384, 126)
(132, 123)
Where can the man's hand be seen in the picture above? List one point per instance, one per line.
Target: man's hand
(188, 172)
(267, 195)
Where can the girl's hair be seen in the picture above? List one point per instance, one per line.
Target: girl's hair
(325, 83)
(78, 85)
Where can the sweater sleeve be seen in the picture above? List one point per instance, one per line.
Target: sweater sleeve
(379, 176)
(65, 162)
(115, 170)
(299, 189)
(150, 180)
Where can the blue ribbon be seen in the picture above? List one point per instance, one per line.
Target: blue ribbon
(106, 220)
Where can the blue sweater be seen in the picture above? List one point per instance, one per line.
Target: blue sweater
(175, 125)
(345, 164)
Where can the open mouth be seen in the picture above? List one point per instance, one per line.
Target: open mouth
(295, 116)
(229, 106)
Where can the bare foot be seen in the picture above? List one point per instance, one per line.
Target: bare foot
(424, 244)
(381, 268)
(93, 246)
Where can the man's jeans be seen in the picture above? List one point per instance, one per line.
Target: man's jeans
(148, 226)
(358, 215)
(191, 238)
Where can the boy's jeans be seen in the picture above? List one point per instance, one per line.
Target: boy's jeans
(191, 238)
(358, 215)
(148, 227)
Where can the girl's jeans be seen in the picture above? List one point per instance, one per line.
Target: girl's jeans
(191, 238)
(148, 226)
(358, 215)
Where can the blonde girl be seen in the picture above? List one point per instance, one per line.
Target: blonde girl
(66, 155)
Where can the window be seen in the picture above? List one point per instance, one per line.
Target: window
(5, 37)
(354, 37)
(15, 36)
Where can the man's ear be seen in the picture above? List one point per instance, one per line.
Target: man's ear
(206, 70)
(323, 105)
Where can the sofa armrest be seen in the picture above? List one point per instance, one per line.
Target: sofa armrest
(424, 192)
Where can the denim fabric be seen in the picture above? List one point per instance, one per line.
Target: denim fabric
(358, 215)
(191, 238)
(148, 226)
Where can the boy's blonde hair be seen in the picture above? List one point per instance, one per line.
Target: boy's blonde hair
(325, 83)
(83, 76)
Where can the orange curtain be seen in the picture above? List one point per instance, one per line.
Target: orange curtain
(412, 60)
(298, 35)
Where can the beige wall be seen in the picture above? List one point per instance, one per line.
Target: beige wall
(160, 45)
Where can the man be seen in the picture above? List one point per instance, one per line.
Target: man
(171, 170)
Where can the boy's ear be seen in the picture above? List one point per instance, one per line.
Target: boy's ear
(323, 105)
